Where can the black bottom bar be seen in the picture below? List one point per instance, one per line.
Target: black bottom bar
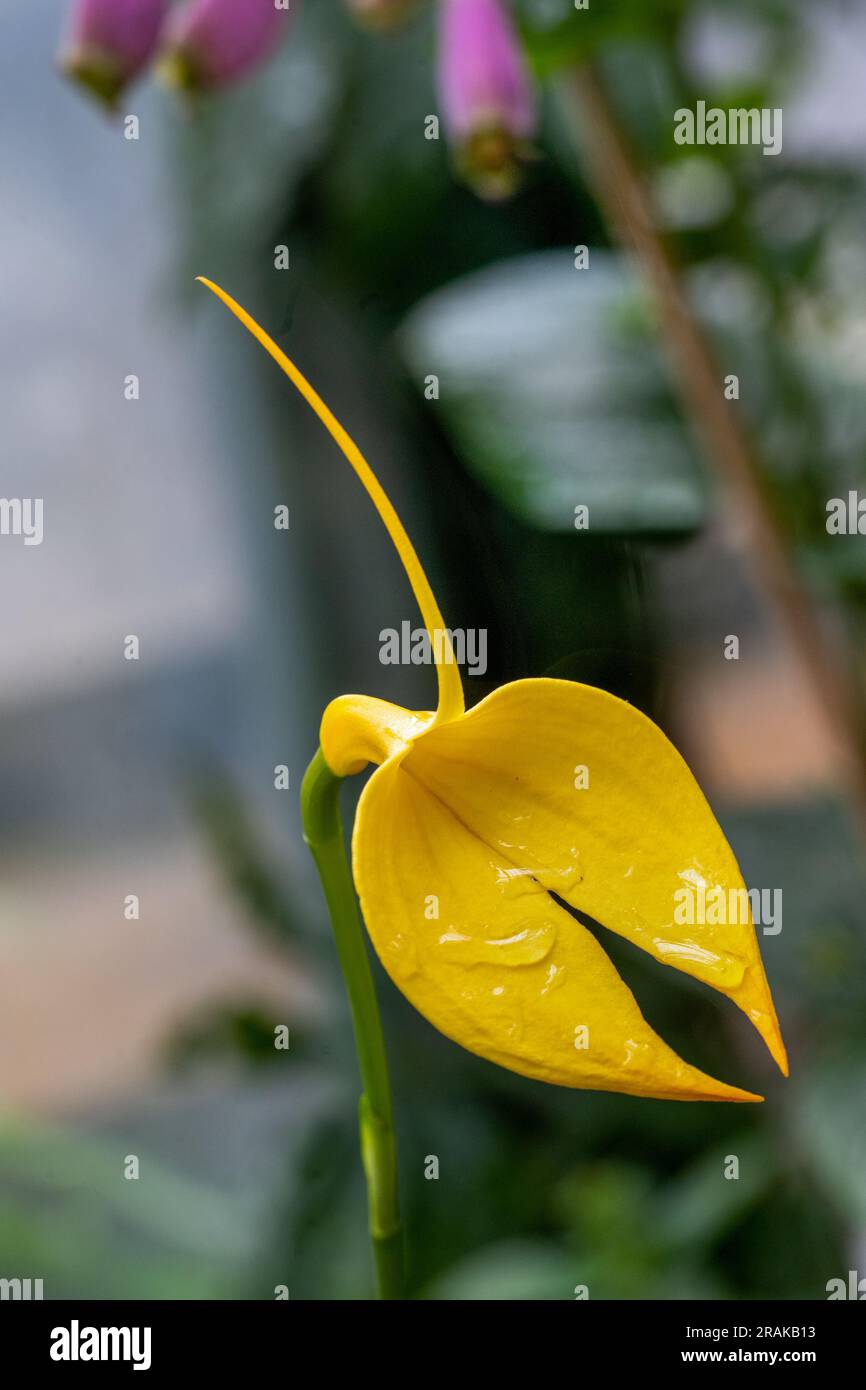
(72, 1339)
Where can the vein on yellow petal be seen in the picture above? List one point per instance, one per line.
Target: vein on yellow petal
(408, 841)
(493, 771)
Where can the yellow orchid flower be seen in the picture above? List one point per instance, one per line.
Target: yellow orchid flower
(475, 829)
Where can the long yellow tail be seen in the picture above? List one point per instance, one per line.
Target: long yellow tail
(451, 703)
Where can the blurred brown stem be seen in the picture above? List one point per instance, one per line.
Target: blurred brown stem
(623, 195)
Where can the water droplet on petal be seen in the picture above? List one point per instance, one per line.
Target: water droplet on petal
(633, 1049)
(721, 968)
(529, 943)
(555, 978)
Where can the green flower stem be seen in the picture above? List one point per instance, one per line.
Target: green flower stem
(323, 832)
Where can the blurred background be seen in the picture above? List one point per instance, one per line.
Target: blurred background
(153, 1036)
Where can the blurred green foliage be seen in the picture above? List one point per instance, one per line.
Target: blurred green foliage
(541, 1190)
(70, 1218)
(548, 419)
(553, 393)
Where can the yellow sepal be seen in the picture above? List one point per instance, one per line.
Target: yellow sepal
(582, 790)
(483, 951)
(359, 729)
(475, 823)
(450, 703)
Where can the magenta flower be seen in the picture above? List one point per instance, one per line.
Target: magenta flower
(211, 43)
(486, 94)
(109, 43)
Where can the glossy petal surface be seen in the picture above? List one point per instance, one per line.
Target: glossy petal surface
(486, 954)
(359, 729)
(578, 788)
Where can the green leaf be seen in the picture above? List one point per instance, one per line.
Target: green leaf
(560, 35)
(554, 394)
(68, 1216)
(702, 1204)
(238, 1031)
(831, 1127)
(511, 1271)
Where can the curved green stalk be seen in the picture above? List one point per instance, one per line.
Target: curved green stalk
(323, 832)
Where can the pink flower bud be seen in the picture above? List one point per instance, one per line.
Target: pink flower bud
(486, 94)
(110, 41)
(210, 43)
